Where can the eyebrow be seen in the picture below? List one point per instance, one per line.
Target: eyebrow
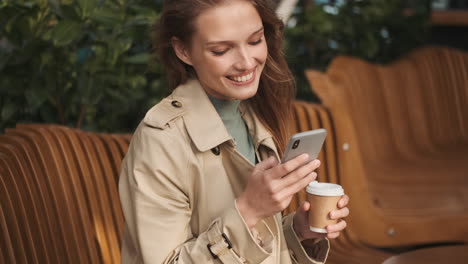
(228, 41)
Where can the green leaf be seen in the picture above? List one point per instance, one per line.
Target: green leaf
(137, 81)
(109, 16)
(69, 12)
(116, 49)
(8, 111)
(4, 58)
(142, 58)
(87, 7)
(55, 6)
(36, 96)
(66, 32)
(118, 2)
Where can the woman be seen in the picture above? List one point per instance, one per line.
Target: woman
(201, 182)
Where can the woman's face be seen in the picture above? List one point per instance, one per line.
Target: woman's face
(228, 50)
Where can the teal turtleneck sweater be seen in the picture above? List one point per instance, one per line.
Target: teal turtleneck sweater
(235, 125)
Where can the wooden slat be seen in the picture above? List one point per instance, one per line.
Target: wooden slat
(16, 246)
(31, 197)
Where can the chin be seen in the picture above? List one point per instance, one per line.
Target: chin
(245, 93)
(249, 95)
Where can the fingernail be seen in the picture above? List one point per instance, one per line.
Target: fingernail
(316, 163)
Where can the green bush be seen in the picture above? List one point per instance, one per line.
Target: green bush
(82, 63)
(87, 63)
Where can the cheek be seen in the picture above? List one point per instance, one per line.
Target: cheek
(209, 66)
(219, 66)
(223, 65)
(262, 52)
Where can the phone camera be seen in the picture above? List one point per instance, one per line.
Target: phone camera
(296, 144)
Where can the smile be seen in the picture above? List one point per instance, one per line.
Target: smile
(244, 79)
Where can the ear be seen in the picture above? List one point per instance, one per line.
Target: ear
(181, 50)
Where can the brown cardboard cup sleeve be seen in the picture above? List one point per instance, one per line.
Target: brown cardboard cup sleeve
(323, 198)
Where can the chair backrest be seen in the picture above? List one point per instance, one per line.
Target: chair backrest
(401, 131)
(60, 202)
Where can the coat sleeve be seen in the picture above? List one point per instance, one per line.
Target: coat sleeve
(301, 253)
(154, 194)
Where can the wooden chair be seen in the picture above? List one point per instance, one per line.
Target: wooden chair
(401, 185)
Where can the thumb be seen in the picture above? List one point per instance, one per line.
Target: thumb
(303, 209)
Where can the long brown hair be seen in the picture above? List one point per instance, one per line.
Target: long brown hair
(273, 101)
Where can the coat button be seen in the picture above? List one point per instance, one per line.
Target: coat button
(176, 104)
(216, 151)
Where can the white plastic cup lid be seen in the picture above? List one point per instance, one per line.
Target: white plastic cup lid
(325, 189)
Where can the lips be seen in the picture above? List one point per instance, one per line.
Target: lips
(243, 79)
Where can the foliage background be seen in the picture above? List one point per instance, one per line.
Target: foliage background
(87, 63)
(82, 63)
(375, 30)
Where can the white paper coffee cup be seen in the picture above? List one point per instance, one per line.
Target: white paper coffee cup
(323, 198)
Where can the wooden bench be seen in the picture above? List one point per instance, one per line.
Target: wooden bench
(397, 141)
(402, 137)
(58, 190)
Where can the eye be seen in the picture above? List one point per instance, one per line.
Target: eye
(219, 53)
(256, 42)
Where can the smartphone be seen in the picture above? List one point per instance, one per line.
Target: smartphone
(309, 142)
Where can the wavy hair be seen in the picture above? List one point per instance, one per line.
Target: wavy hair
(273, 101)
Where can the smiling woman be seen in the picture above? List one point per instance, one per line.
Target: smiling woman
(181, 22)
(202, 182)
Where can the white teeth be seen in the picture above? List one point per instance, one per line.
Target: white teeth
(242, 78)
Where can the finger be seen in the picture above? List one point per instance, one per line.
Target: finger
(304, 208)
(289, 166)
(299, 185)
(337, 214)
(269, 163)
(343, 201)
(301, 173)
(336, 227)
(333, 235)
(303, 211)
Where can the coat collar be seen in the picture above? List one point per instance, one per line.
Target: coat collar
(204, 125)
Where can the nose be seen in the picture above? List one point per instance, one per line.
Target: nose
(245, 60)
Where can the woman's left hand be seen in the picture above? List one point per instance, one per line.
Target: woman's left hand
(301, 223)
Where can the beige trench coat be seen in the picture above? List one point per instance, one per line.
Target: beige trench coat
(178, 186)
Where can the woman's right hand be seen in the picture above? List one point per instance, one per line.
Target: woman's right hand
(272, 185)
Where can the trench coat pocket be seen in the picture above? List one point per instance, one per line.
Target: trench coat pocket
(244, 242)
(315, 254)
